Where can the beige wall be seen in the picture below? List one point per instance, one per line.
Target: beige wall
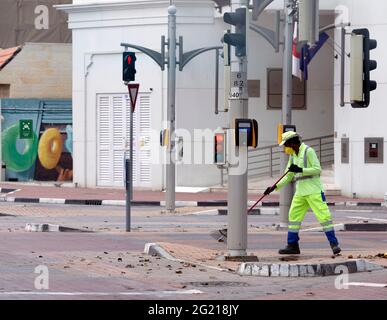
(40, 70)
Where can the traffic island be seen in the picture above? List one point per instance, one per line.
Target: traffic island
(311, 263)
(306, 269)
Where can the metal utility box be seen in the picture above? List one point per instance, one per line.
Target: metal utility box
(344, 150)
(374, 150)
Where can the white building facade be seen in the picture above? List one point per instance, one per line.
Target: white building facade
(364, 173)
(100, 101)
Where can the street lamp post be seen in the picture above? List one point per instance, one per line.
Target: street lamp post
(171, 115)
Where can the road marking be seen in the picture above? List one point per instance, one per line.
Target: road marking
(363, 218)
(17, 190)
(368, 284)
(356, 211)
(145, 293)
(337, 227)
(212, 212)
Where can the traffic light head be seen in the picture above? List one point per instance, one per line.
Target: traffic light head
(129, 66)
(309, 22)
(237, 39)
(361, 67)
(220, 148)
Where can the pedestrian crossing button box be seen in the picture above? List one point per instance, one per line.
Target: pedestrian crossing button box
(247, 128)
(282, 128)
(289, 127)
(374, 150)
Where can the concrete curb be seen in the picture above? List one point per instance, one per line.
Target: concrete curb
(366, 227)
(155, 249)
(216, 203)
(353, 227)
(7, 190)
(46, 227)
(305, 270)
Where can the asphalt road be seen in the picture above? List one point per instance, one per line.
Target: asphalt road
(109, 263)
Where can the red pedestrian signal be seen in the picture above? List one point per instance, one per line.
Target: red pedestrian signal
(129, 66)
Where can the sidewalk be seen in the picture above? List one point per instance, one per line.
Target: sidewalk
(19, 192)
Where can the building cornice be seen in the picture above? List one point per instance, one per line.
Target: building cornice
(140, 4)
(144, 12)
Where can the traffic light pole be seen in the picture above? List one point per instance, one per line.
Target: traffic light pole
(237, 180)
(286, 193)
(184, 59)
(171, 116)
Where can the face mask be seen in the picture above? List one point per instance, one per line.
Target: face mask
(289, 151)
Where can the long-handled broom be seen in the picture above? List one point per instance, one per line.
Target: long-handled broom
(221, 235)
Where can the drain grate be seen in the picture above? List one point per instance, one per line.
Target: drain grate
(217, 284)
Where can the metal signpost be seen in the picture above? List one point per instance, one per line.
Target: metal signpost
(133, 94)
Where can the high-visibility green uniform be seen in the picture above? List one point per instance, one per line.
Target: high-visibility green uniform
(309, 194)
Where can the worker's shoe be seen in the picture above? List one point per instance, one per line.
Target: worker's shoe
(291, 249)
(335, 248)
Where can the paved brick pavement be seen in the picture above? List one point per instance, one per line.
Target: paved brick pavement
(115, 263)
(36, 191)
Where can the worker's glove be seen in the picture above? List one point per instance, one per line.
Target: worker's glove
(270, 190)
(295, 169)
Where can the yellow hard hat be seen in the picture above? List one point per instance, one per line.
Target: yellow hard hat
(287, 136)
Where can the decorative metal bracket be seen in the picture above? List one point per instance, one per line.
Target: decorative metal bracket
(259, 6)
(185, 58)
(271, 36)
(158, 57)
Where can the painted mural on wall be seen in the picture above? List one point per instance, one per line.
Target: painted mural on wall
(47, 154)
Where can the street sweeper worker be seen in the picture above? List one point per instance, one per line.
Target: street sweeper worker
(305, 169)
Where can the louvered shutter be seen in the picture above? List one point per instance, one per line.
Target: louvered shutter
(114, 134)
(104, 141)
(145, 138)
(118, 113)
